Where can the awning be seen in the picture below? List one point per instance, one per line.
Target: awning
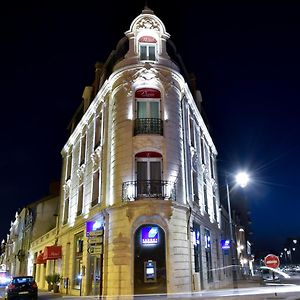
(52, 252)
(40, 259)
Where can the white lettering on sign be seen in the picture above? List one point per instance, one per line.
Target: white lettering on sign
(272, 261)
(147, 93)
(149, 241)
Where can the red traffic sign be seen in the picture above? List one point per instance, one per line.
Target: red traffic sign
(272, 261)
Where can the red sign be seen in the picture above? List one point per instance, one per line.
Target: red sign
(272, 261)
(147, 93)
(52, 252)
(40, 259)
(147, 39)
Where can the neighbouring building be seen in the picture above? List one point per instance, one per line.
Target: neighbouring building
(31, 222)
(139, 207)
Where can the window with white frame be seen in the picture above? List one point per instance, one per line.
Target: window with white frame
(202, 150)
(215, 203)
(82, 149)
(195, 187)
(192, 132)
(69, 165)
(66, 210)
(211, 162)
(97, 130)
(96, 187)
(148, 173)
(147, 48)
(205, 194)
(80, 199)
(148, 112)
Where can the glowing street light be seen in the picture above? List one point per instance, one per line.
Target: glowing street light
(242, 180)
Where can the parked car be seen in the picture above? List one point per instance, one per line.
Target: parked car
(21, 287)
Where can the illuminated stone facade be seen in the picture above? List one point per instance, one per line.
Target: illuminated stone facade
(140, 162)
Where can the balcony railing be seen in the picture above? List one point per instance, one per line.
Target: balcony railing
(148, 126)
(159, 189)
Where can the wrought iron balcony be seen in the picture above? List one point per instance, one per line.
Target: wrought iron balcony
(148, 126)
(159, 189)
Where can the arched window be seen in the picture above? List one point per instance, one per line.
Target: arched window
(149, 173)
(148, 119)
(147, 48)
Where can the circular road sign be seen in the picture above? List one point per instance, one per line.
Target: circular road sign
(272, 261)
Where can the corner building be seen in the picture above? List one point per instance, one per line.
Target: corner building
(139, 211)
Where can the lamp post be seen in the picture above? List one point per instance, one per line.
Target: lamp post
(242, 180)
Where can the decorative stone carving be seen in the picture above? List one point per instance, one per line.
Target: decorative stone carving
(146, 74)
(66, 188)
(96, 158)
(80, 172)
(147, 23)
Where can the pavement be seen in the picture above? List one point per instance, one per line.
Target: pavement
(244, 289)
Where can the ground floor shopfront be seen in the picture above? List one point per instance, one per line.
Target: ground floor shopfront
(140, 247)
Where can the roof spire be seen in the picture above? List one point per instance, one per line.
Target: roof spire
(146, 9)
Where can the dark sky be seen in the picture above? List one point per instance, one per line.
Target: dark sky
(245, 55)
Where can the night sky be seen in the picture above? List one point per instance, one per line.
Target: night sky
(246, 58)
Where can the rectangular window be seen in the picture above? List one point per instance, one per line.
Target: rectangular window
(208, 255)
(78, 254)
(212, 172)
(147, 52)
(69, 166)
(98, 131)
(195, 187)
(197, 246)
(215, 204)
(95, 194)
(148, 109)
(192, 134)
(205, 194)
(148, 177)
(66, 211)
(80, 200)
(202, 151)
(82, 149)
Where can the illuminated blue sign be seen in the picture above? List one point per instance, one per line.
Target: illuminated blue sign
(225, 244)
(150, 235)
(92, 226)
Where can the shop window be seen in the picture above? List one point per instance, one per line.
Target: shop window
(197, 246)
(208, 255)
(78, 258)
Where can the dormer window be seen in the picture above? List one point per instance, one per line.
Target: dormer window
(147, 48)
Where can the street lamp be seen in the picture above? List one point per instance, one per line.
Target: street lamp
(242, 180)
